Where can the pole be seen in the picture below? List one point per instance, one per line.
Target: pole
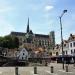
(64, 11)
(62, 43)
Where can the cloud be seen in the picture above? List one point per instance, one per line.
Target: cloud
(5, 27)
(48, 7)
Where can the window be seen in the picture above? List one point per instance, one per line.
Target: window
(23, 53)
(45, 42)
(66, 52)
(74, 50)
(64, 45)
(70, 44)
(63, 52)
(48, 43)
(71, 51)
(57, 54)
(51, 53)
(42, 42)
(22, 58)
(74, 44)
(39, 42)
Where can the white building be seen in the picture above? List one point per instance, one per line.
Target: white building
(65, 48)
(69, 46)
(71, 42)
(22, 54)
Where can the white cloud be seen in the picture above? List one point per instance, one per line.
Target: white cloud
(48, 7)
(5, 27)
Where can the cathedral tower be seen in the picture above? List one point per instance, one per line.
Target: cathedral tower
(28, 26)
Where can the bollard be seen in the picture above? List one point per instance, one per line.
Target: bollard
(52, 69)
(16, 70)
(66, 67)
(35, 70)
(46, 64)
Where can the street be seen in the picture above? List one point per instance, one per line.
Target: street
(41, 70)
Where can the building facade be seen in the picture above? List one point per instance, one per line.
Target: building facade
(69, 46)
(34, 41)
(22, 54)
(56, 51)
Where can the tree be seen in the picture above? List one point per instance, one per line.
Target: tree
(9, 42)
(1, 41)
(16, 42)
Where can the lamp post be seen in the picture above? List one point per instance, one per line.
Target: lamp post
(64, 11)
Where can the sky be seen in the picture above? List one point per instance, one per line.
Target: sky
(43, 16)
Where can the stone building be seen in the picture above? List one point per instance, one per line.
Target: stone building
(34, 41)
(56, 51)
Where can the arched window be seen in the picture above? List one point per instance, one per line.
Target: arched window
(57, 54)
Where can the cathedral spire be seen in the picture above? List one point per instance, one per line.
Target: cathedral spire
(28, 26)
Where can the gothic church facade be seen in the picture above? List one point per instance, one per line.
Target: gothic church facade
(35, 41)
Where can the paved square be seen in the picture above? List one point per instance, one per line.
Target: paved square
(41, 70)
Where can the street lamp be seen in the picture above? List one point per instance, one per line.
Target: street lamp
(64, 11)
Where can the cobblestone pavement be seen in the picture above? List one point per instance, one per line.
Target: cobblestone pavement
(41, 70)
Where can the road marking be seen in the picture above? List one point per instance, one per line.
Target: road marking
(51, 73)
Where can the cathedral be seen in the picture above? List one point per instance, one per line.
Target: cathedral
(35, 41)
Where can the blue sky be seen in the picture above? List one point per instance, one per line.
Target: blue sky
(43, 15)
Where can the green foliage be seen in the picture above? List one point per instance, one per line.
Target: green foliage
(1, 41)
(9, 42)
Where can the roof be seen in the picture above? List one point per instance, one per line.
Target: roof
(23, 34)
(72, 37)
(41, 35)
(65, 41)
(18, 33)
